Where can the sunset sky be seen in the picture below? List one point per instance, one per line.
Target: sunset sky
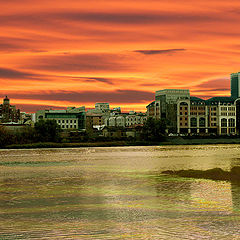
(58, 53)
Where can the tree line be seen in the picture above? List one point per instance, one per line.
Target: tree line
(50, 131)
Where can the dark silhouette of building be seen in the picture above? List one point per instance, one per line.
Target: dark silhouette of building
(8, 113)
(235, 85)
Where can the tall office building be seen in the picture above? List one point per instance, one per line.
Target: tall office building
(235, 85)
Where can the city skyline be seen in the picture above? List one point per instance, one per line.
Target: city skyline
(73, 53)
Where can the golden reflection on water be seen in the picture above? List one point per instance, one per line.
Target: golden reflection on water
(117, 193)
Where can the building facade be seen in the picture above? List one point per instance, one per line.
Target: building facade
(216, 115)
(9, 113)
(132, 119)
(70, 119)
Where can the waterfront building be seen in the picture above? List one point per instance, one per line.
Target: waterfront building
(70, 119)
(217, 115)
(235, 85)
(131, 119)
(165, 106)
(9, 113)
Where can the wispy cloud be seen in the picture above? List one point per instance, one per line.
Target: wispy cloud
(164, 51)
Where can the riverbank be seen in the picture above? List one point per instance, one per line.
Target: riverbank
(76, 145)
(167, 141)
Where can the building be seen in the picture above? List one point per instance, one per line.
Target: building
(165, 106)
(153, 110)
(9, 113)
(94, 122)
(217, 115)
(102, 107)
(131, 119)
(235, 85)
(70, 119)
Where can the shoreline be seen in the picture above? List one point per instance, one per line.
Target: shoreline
(166, 142)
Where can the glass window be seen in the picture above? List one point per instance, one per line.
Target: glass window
(224, 122)
(202, 122)
(231, 122)
(224, 130)
(193, 122)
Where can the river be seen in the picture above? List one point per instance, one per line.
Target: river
(117, 193)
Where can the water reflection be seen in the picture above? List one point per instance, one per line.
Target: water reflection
(116, 193)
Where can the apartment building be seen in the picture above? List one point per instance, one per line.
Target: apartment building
(216, 115)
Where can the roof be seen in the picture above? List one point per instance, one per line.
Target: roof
(221, 100)
(213, 100)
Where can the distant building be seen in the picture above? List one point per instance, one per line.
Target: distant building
(9, 113)
(102, 107)
(131, 119)
(235, 85)
(70, 119)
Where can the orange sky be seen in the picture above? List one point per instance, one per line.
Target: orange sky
(60, 53)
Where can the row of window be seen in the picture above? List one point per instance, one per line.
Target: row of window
(230, 122)
(195, 113)
(66, 121)
(227, 108)
(69, 126)
(228, 113)
(224, 130)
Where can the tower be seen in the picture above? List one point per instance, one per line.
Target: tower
(235, 85)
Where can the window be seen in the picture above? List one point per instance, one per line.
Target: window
(193, 122)
(70, 126)
(75, 126)
(63, 121)
(202, 122)
(224, 130)
(66, 121)
(66, 126)
(70, 121)
(75, 121)
(231, 122)
(63, 126)
(224, 122)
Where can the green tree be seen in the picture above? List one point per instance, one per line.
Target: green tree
(154, 129)
(47, 131)
(5, 137)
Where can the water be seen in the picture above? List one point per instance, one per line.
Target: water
(117, 193)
